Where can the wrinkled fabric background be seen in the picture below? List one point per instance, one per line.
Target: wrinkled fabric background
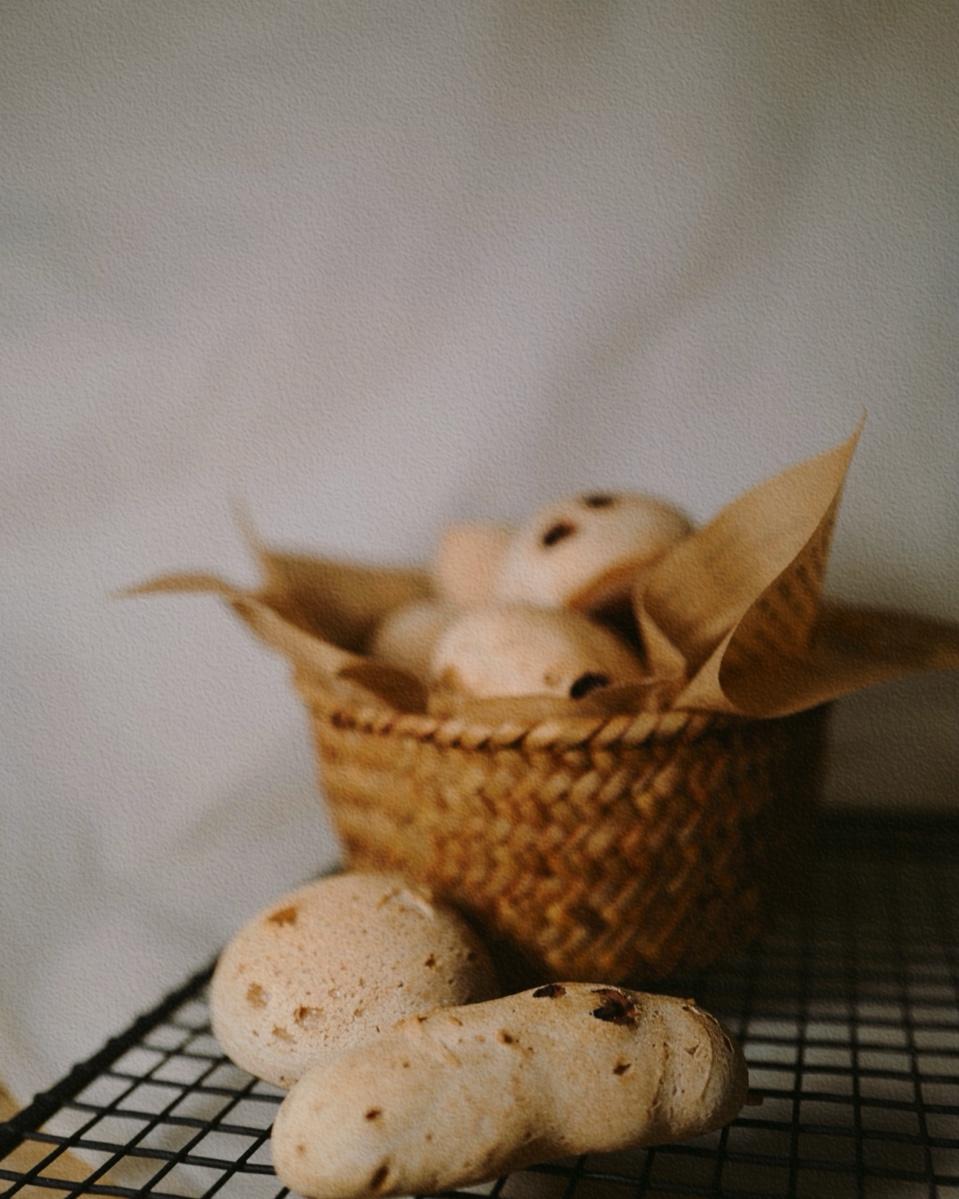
(372, 265)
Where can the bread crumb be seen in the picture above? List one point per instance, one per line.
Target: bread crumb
(283, 916)
(256, 996)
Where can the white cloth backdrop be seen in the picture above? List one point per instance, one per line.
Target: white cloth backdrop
(371, 265)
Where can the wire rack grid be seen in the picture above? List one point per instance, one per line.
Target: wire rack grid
(849, 1015)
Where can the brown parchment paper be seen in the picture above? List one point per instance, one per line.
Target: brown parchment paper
(732, 619)
(851, 648)
(747, 583)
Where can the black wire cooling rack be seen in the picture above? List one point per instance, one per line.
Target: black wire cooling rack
(849, 1016)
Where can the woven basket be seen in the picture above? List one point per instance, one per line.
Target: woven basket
(614, 848)
(600, 839)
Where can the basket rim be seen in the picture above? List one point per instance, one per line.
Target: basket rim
(330, 707)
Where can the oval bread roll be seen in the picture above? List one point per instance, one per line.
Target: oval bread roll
(467, 559)
(521, 650)
(466, 1094)
(406, 637)
(587, 551)
(335, 963)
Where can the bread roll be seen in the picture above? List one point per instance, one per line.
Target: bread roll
(467, 560)
(335, 963)
(466, 1094)
(406, 637)
(587, 551)
(521, 650)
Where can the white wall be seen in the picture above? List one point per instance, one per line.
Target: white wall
(373, 265)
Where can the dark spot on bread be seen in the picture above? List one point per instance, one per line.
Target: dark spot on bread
(255, 995)
(549, 991)
(283, 916)
(616, 1008)
(305, 1014)
(374, 1113)
(506, 1038)
(430, 962)
(281, 1033)
(300, 1148)
(380, 1178)
(592, 680)
(621, 1067)
(692, 1050)
(558, 532)
(428, 1137)
(599, 499)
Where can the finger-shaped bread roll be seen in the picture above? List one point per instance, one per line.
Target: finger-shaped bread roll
(466, 1094)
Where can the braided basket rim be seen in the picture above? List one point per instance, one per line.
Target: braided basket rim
(600, 732)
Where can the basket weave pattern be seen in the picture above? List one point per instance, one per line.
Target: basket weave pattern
(622, 848)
